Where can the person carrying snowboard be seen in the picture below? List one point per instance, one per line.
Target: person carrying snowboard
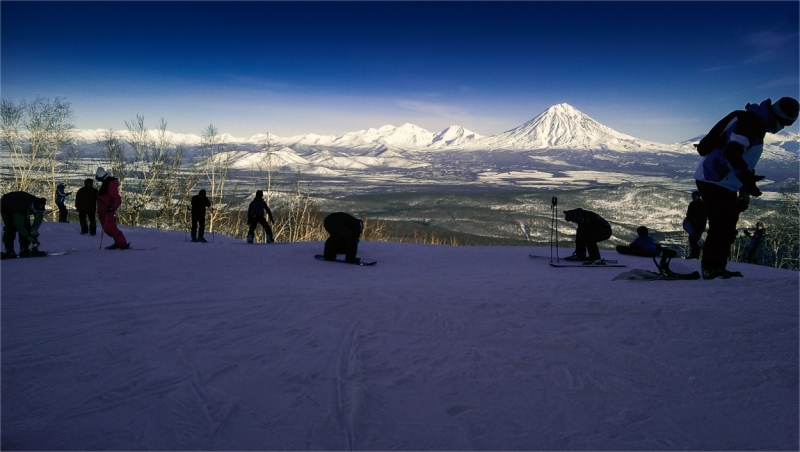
(592, 228)
(16, 208)
(108, 201)
(751, 250)
(86, 205)
(345, 232)
(730, 153)
(257, 213)
(199, 204)
(695, 224)
(61, 197)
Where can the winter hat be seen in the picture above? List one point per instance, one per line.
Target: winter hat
(88, 182)
(642, 231)
(101, 173)
(201, 192)
(259, 194)
(573, 215)
(785, 111)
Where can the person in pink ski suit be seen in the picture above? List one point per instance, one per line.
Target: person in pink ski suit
(108, 201)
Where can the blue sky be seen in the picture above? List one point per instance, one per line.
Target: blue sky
(660, 71)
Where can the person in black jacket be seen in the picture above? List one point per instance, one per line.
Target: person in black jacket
(86, 205)
(199, 204)
(16, 208)
(592, 228)
(257, 213)
(345, 231)
(695, 223)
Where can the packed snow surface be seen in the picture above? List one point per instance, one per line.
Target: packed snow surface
(229, 346)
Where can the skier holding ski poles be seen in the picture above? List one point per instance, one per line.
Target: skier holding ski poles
(108, 201)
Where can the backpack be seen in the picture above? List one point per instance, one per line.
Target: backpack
(715, 139)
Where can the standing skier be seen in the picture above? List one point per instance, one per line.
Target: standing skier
(199, 204)
(592, 228)
(257, 213)
(345, 231)
(61, 197)
(695, 223)
(86, 205)
(16, 208)
(108, 201)
(730, 153)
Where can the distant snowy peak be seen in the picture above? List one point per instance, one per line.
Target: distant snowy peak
(454, 136)
(560, 126)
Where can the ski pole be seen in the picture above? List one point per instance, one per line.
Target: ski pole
(102, 231)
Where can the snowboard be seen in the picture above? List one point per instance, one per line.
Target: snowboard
(534, 256)
(622, 249)
(319, 257)
(581, 265)
(646, 275)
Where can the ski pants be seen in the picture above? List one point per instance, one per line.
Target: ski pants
(723, 214)
(586, 240)
(88, 222)
(108, 221)
(62, 212)
(10, 232)
(198, 225)
(263, 222)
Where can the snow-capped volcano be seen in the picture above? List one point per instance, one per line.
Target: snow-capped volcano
(454, 136)
(562, 126)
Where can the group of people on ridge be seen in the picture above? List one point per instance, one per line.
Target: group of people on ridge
(725, 179)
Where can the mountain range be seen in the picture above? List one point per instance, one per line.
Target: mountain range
(559, 127)
(559, 141)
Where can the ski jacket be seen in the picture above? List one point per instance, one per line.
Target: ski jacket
(199, 204)
(61, 196)
(109, 195)
(737, 148)
(696, 215)
(258, 208)
(17, 202)
(644, 245)
(348, 222)
(86, 199)
(755, 239)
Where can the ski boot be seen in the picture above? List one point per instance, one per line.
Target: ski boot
(249, 239)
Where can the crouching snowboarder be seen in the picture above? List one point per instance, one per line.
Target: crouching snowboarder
(592, 228)
(345, 232)
(16, 208)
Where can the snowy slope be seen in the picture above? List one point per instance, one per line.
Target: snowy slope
(227, 346)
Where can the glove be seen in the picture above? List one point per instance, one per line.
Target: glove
(743, 201)
(748, 179)
(110, 209)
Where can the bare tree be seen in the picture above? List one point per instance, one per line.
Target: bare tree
(33, 135)
(214, 163)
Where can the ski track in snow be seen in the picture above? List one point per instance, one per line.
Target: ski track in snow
(214, 347)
